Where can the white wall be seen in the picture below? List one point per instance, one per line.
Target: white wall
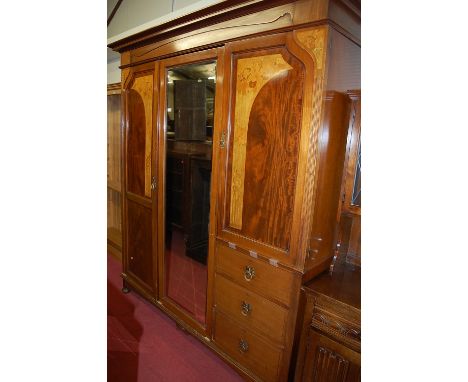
(113, 71)
(110, 6)
(132, 13)
(179, 4)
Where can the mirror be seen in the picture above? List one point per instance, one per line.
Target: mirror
(356, 197)
(189, 138)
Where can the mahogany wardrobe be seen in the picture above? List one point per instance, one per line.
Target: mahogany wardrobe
(235, 121)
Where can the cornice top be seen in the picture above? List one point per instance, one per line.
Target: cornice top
(190, 17)
(160, 21)
(213, 12)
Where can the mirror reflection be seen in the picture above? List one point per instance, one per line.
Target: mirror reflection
(189, 137)
(356, 197)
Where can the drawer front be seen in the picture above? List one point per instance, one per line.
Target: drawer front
(337, 327)
(254, 274)
(247, 348)
(250, 309)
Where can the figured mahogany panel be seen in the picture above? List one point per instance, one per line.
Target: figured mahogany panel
(265, 143)
(252, 75)
(139, 243)
(140, 99)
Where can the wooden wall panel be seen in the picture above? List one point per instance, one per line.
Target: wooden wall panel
(266, 132)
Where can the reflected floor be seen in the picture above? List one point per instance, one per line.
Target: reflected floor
(186, 278)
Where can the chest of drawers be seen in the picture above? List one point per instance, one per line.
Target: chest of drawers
(253, 310)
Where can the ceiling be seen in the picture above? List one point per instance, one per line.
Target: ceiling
(110, 6)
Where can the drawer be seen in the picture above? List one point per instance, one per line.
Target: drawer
(247, 348)
(254, 274)
(250, 309)
(337, 328)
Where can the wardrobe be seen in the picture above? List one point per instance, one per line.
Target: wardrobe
(235, 122)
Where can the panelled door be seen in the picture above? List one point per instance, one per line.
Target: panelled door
(267, 118)
(327, 360)
(139, 260)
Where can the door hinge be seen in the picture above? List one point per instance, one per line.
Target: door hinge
(153, 183)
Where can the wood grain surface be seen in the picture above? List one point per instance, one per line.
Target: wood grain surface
(252, 74)
(139, 243)
(143, 85)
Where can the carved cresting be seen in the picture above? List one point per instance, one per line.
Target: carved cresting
(252, 74)
(143, 85)
(245, 25)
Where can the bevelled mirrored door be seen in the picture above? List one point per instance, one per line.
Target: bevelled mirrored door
(188, 147)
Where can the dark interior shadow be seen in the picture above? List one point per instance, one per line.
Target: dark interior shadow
(123, 336)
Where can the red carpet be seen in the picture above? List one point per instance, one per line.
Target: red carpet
(143, 345)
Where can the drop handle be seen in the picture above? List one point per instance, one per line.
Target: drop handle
(246, 308)
(243, 346)
(249, 272)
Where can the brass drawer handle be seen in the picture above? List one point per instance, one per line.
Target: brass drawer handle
(249, 272)
(243, 346)
(246, 308)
